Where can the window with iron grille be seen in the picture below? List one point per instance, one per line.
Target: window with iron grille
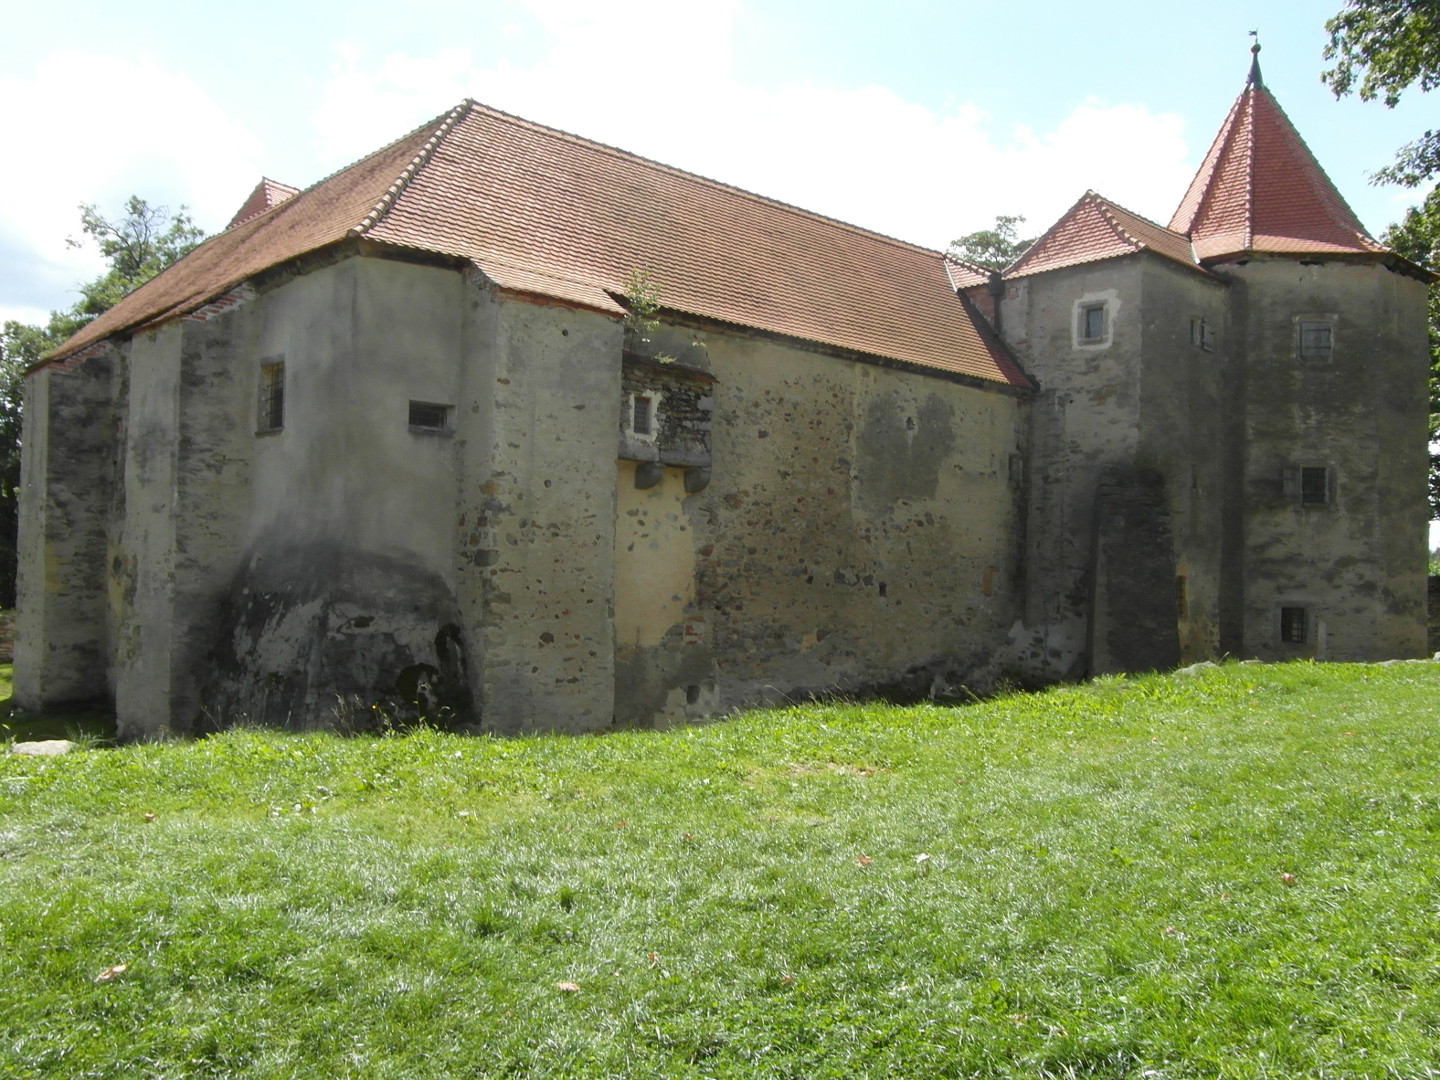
(270, 408)
(427, 416)
(1314, 485)
(1316, 339)
(642, 415)
(1294, 625)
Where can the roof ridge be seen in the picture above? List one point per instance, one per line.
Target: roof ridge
(1138, 217)
(1106, 207)
(387, 200)
(974, 267)
(617, 151)
(1249, 149)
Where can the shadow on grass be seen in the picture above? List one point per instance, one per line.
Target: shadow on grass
(80, 724)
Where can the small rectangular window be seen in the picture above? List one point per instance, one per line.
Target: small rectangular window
(270, 410)
(1294, 625)
(427, 416)
(1316, 340)
(1314, 485)
(1202, 334)
(1092, 322)
(642, 415)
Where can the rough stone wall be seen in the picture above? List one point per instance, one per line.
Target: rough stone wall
(1184, 441)
(536, 512)
(67, 483)
(858, 533)
(1133, 619)
(1356, 564)
(1084, 417)
(681, 407)
(1139, 400)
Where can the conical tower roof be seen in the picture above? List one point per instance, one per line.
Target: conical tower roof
(1261, 191)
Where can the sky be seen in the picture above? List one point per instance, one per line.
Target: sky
(923, 119)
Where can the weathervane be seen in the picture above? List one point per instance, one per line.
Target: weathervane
(1255, 79)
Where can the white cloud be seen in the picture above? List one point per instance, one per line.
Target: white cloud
(657, 79)
(91, 128)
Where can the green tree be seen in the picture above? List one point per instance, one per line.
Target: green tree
(994, 248)
(139, 244)
(1417, 237)
(1381, 48)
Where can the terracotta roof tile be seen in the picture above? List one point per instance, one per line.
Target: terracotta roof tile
(544, 212)
(267, 194)
(1259, 189)
(1096, 228)
(965, 274)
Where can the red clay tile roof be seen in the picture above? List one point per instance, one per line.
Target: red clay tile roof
(547, 213)
(1096, 228)
(1260, 189)
(267, 193)
(965, 274)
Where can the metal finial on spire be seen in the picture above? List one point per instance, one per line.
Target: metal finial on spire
(1255, 79)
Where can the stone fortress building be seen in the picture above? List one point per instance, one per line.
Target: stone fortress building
(391, 439)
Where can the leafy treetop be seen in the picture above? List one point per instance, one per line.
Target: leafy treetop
(996, 248)
(1380, 49)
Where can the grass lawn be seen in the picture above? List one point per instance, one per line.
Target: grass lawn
(1229, 874)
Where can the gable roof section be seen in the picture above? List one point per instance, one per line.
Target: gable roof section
(313, 219)
(543, 212)
(965, 274)
(268, 193)
(1260, 190)
(1096, 228)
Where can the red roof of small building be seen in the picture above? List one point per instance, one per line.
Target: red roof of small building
(1096, 228)
(550, 214)
(1260, 190)
(267, 193)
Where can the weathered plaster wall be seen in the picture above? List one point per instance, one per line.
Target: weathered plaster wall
(1358, 563)
(1084, 417)
(342, 595)
(1184, 439)
(540, 416)
(66, 486)
(858, 533)
(1126, 459)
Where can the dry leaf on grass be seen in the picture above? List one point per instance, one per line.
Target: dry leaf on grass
(112, 973)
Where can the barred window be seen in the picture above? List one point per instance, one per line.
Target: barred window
(1294, 625)
(1314, 486)
(642, 415)
(270, 409)
(1316, 340)
(427, 416)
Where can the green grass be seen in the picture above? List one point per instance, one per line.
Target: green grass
(1087, 882)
